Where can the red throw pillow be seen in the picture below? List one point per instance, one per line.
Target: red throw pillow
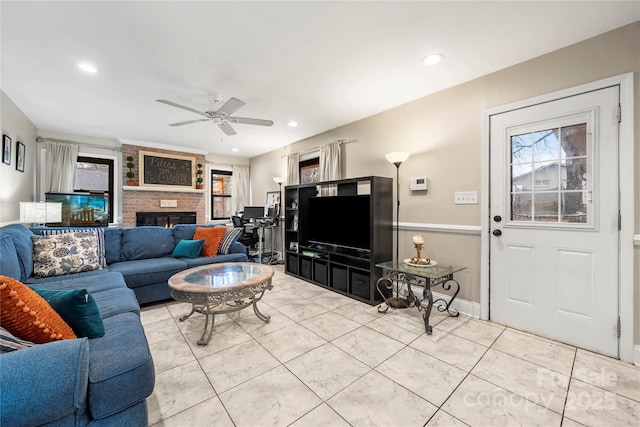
(28, 316)
(212, 238)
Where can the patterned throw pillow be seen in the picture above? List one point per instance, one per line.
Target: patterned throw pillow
(9, 342)
(28, 316)
(99, 236)
(229, 238)
(212, 238)
(67, 253)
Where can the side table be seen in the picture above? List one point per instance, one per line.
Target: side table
(426, 277)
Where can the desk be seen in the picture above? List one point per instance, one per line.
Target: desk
(427, 277)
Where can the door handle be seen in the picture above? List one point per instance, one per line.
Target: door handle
(497, 233)
(497, 218)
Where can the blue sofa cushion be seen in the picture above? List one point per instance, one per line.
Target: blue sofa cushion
(112, 245)
(60, 394)
(64, 281)
(147, 242)
(196, 262)
(116, 301)
(77, 308)
(9, 263)
(21, 236)
(120, 366)
(147, 271)
(188, 249)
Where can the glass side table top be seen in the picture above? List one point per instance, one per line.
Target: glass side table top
(220, 277)
(433, 272)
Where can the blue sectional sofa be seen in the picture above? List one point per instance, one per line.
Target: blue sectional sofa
(100, 381)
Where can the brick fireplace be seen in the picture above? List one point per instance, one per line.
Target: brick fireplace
(158, 200)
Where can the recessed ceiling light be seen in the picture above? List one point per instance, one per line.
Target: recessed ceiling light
(432, 59)
(87, 68)
(292, 123)
(235, 150)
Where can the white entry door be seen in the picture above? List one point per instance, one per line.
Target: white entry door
(554, 219)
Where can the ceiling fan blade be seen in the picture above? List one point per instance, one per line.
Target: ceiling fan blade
(188, 122)
(249, 121)
(184, 107)
(226, 128)
(231, 106)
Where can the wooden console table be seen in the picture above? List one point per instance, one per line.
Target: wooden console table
(426, 277)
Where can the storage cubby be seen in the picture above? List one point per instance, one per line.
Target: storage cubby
(342, 266)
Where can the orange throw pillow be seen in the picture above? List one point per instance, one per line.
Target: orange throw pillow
(28, 316)
(212, 238)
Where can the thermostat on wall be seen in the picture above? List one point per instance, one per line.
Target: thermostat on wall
(418, 183)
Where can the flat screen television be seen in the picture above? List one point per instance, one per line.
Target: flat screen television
(343, 221)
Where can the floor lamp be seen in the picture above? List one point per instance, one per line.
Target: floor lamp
(397, 158)
(279, 180)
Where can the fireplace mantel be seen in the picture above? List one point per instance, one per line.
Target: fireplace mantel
(167, 189)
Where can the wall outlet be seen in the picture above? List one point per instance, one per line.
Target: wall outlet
(168, 203)
(465, 198)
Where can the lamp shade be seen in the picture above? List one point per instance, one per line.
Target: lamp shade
(279, 179)
(40, 212)
(397, 157)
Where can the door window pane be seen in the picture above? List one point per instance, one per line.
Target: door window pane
(550, 175)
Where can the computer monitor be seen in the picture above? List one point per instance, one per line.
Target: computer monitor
(253, 212)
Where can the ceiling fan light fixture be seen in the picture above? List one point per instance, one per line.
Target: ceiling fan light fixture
(87, 67)
(432, 59)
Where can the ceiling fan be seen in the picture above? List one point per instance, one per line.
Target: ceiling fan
(222, 116)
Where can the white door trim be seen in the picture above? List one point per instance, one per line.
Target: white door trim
(626, 163)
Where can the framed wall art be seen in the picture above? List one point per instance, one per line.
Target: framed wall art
(20, 156)
(6, 149)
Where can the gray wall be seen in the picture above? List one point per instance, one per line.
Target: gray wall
(443, 132)
(16, 186)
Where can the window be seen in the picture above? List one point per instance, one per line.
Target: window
(550, 175)
(310, 170)
(221, 185)
(95, 175)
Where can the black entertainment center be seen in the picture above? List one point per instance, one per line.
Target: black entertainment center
(336, 231)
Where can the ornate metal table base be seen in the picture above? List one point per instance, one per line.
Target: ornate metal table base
(220, 289)
(439, 277)
(210, 311)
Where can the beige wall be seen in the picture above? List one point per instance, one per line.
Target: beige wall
(16, 186)
(443, 132)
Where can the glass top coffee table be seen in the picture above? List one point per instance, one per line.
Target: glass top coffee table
(425, 277)
(221, 288)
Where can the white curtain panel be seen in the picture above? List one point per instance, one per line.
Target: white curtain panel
(61, 167)
(330, 167)
(293, 169)
(240, 188)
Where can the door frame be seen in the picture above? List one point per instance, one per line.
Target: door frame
(626, 179)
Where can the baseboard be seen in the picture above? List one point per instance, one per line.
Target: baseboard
(465, 307)
(636, 354)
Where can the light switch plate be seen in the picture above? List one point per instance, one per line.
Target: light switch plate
(465, 198)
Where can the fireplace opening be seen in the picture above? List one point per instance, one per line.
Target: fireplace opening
(165, 219)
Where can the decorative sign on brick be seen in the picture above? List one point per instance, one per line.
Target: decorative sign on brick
(158, 169)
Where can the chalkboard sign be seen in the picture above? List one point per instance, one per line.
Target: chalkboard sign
(158, 169)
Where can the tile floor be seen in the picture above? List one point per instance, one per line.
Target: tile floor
(327, 360)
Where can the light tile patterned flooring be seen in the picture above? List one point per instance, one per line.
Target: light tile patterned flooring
(327, 360)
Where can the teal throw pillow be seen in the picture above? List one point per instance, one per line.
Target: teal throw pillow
(188, 249)
(77, 308)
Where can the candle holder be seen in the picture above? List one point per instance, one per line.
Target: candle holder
(418, 260)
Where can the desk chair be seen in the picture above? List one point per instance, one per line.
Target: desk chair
(248, 239)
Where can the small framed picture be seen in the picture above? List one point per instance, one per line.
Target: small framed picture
(293, 246)
(6, 149)
(20, 157)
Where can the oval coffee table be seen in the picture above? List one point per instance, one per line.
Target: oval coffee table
(221, 288)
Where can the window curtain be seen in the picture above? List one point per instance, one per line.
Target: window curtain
(293, 169)
(330, 167)
(61, 167)
(240, 188)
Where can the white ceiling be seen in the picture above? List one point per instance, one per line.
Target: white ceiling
(323, 64)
